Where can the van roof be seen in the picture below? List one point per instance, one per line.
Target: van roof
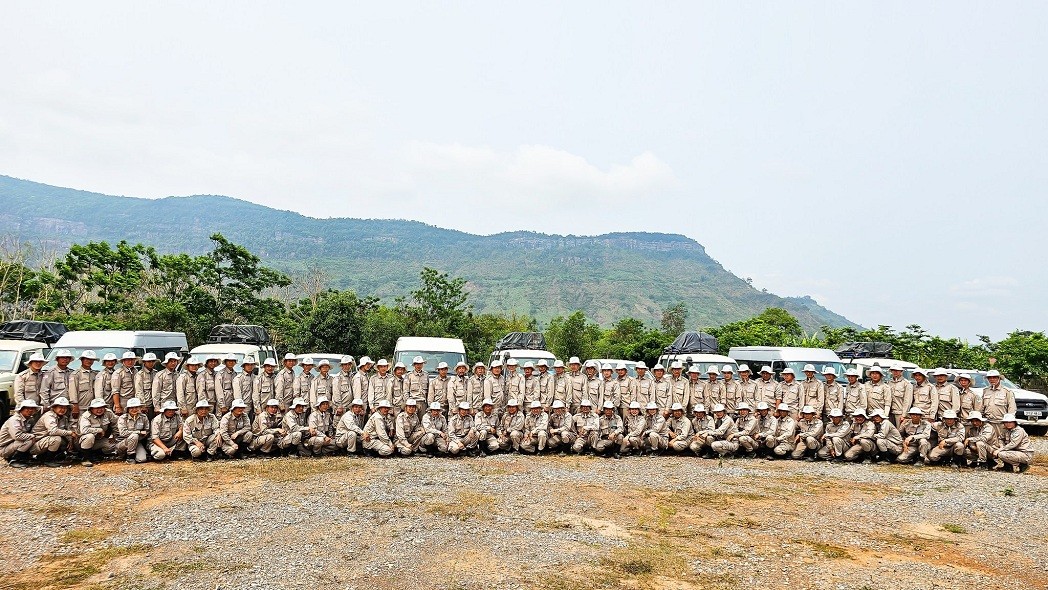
(120, 338)
(426, 344)
(22, 345)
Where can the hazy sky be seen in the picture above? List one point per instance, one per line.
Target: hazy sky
(889, 159)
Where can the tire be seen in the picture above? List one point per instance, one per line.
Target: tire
(5, 407)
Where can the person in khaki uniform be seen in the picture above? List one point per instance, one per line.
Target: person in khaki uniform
(746, 429)
(165, 432)
(512, 381)
(701, 426)
(28, 383)
(656, 430)
(322, 384)
(561, 384)
(609, 434)
(694, 388)
(165, 383)
(511, 427)
(268, 428)
(536, 426)
(1015, 450)
(57, 381)
(712, 389)
(97, 427)
(644, 381)
(747, 388)
(545, 385)
(235, 430)
(813, 392)
(679, 429)
(361, 381)
(486, 426)
(321, 429)
(304, 381)
(587, 426)
(200, 432)
(833, 391)
(862, 443)
(950, 433)
(55, 433)
(886, 436)
(947, 396)
(186, 386)
(969, 401)
(594, 387)
(399, 394)
(767, 387)
(438, 386)
(435, 426)
(661, 391)
(409, 432)
(561, 427)
(380, 430)
(835, 437)
(458, 387)
(285, 382)
(82, 386)
(243, 387)
(854, 393)
(634, 426)
(207, 383)
(679, 385)
(224, 377)
(460, 431)
(765, 426)
(732, 393)
(417, 381)
(980, 441)
(808, 440)
(380, 385)
(494, 388)
(144, 380)
(122, 382)
(997, 401)
(627, 387)
(610, 387)
(476, 387)
(296, 429)
(722, 439)
(916, 438)
(901, 395)
(16, 436)
(789, 389)
(350, 429)
(342, 393)
(923, 396)
(780, 441)
(878, 393)
(577, 385)
(266, 386)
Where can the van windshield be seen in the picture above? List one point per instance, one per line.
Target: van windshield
(8, 359)
(432, 359)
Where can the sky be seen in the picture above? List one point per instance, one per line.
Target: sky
(889, 159)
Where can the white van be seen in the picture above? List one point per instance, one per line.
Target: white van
(522, 356)
(118, 342)
(863, 364)
(240, 341)
(780, 357)
(434, 350)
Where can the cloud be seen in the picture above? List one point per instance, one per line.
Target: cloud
(985, 287)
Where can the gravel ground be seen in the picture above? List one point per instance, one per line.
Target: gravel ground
(523, 522)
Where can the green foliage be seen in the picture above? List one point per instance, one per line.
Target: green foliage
(773, 327)
(382, 327)
(674, 318)
(1023, 356)
(573, 336)
(914, 344)
(333, 322)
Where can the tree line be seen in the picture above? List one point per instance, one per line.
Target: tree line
(97, 286)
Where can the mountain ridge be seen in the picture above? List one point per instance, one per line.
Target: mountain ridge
(609, 276)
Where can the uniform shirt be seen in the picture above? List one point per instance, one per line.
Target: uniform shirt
(295, 422)
(723, 428)
(124, 383)
(968, 402)
(380, 387)
(342, 393)
(232, 426)
(702, 424)
(610, 426)
(438, 390)
(16, 429)
(531, 390)
(645, 390)
(380, 428)
(206, 387)
(266, 423)
(841, 430)
(864, 431)
(813, 394)
(679, 392)
(165, 428)
(696, 393)
(577, 382)
(611, 392)
(561, 423)
(586, 423)
(635, 425)
(949, 435)
(144, 386)
(197, 429)
(55, 384)
(285, 387)
(878, 397)
(984, 433)
(226, 393)
(361, 382)
(660, 394)
(458, 391)
(514, 386)
(855, 398)
(51, 424)
(949, 398)
(126, 425)
(321, 424)
(475, 385)
(679, 428)
(747, 392)
(493, 390)
(996, 402)
(746, 426)
(400, 393)
(104, 386)
(435, 425)
(407, 426)
(186, 391)
(732, 395)
(902, 396)
(915, 432)
(100, 426)
(627, 391)
(321, 386)
(594, 391)
(244, 390)
(486, 423)
(810, 428)
(887, 431)
(511, 422)
(767, 391)
(656, 424)
(561, 386)
(460, 427)
(790, 394)
(923, 398)
(417, 383)
(164, 388)
(82, 387)
(835, 394)
(300, 386)
(785, 428)
(265, 390)
(1016, 439)
(27, 385)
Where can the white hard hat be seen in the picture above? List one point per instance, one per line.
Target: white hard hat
(744, 367)
(109, 357)
(192, 361)
(366, 360)
(529, 365)
(621, 367)
(728, 369)
(634, 405)
(168, 405)
(442, 365)
(512, 402)
(557, 404)
(788, 371)
(694, 369)
(63, 353)
(809, 368)
(26, 403)
(585, 403)
(417, 360)
(60, 401)
(836, 413)
(202, 404)
(97, 403)
(382, 363)
(436, 406)
(249, 360)
(133, 403)
(88, 354)
(324, 363)
(592, 363)
(1008, 418)
(698, 408)
(487, 402)
(677, 406)
(385, 404)
(269, 362)
(975, 416)
(807, 410)
(511, 362)
(658, 367)
(558, 364)
(920, 371)
(783, 407)
(36, 357)
(608, 405)
(640, 365)
(149, 356)
(238, 403)
(719, 408)
(273, 402)
(676, 365)
(744, 406)
(128, 355)
(949, 414)
(651, 406)
(916, 411)
(359, 402)
(766, 369)
(298, 402)
(290, 357)
(763, 406)
(574, 360)
(993, 373)
(463, 406)
(828, 370)
(346, 360)
(399, 365)
(535, 404)
(606, 367)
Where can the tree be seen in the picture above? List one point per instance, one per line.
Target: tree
(439, 306)
(1023, 357)
(773, 327)
(674, 318)
(331, 321)
(95, 279)
(572, 336)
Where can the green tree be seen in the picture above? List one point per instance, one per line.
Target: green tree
(1023, 357)
(674, 318)
(382, 327)
(332, 322)
(572, 336)
(440, 306)
(773, 327)
(95, 279)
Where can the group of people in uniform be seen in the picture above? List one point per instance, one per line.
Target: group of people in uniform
(141, 409)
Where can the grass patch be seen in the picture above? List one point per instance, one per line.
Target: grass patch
(175, 568)
(954, 528)
(57, 572)
(827, 550)
(552, 525)
(643, 561)
(743, 523)
(88, 535)
(467, 505)
(1008, 491)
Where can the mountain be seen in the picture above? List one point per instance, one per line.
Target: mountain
(609, 276)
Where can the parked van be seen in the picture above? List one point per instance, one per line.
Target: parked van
(864, 364)
(240, 341)
(780, 357)
(118, 342)
(524, 347)
(434, 350)
(20, 340)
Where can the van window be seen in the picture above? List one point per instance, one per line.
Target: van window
(432, 359)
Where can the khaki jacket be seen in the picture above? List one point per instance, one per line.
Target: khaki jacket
(407, 426)
(813, 393)
(55, 384)
(902, 395)
(82, 387)
(269, 424)
(460, 427)
(380, 428)
(144, 386)
(438, 390)
(767, 391)
(164, 428)
(854, 398)
(1016, 439)
(28, 385)
(126, 425)
(51, 424)
(586, 423)
(196, 429)
(561, 423)
(16, 428)
(100, 426)
(534, 424)
(233, 426)
(511, 422)
(997, 402)
(164, 388)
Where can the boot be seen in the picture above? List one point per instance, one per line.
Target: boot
(19, 460)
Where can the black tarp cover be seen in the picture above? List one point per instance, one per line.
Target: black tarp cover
(522, 341)
(46, 332)
(239, 334)
(692, 342)
(864, 350)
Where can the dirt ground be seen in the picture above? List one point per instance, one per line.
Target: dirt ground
(522, 522)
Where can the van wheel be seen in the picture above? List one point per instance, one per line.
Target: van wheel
(5, 407)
